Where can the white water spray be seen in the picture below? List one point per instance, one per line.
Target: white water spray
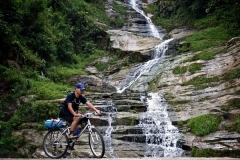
(159, 52)
(161, 136)
(153, 28)
(110, 111)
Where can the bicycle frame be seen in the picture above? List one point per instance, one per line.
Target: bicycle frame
(59, 137)
(88, 125)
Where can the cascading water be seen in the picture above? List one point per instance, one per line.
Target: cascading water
(159, 52)
(110, 110)
(154, 30)
(161, 136)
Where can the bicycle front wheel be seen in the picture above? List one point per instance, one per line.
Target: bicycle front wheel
(96, 143)
(55, 144)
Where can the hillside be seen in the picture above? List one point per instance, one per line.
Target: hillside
(46, 46)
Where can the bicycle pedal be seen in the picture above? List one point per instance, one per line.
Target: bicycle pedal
(71, 148)
(66, 155)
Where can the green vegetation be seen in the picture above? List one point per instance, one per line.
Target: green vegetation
(199, 152)
(232, 75)
(234, 127)
(44, 43)
(234, 103)
(118, 20)
(204, 124)
(202, 82)
(175, 102)
(204, 55)
(183, 69)
(12, 148)
(179, 70)
(199, 14)
(119, 8)
(210, 37)
(195, 67)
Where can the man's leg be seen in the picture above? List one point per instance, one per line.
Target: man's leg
(74, 127)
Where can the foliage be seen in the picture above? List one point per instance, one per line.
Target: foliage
(235, 127)
(232, 74)
(176, 102)
(234, 103)
(204, 124)
(9, 146)
(42, 32)
(30, 112)
(210, 37)
(119, 8)
(204, 55)
(201, 82)
(16, 84)
(199, 14)
(179, 70)
(45, 89)
(195, 67)
(101, 65)
(199, 152)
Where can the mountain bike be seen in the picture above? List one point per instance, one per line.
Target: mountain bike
(56, 141)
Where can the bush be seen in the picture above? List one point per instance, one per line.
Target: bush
(204, 124)
(195, 67)
(180, 70)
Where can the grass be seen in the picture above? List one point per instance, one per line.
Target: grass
(234, 103)
(235, 127)
(47, 90)
(195, 67)
(201, 82)
(204, 124)
(204, 55)
(175, 102)
(183, 69)
(119, 8)
(232, 74)
(179, 70)
(210, 37)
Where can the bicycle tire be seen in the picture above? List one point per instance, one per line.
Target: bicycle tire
(96, 143)
(53, 148)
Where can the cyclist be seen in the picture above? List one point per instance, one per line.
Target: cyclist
(69, 109)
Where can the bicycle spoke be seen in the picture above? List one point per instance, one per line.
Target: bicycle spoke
(55, 144)
(96, 143)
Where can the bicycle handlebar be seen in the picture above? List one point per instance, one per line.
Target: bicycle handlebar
(89, 114)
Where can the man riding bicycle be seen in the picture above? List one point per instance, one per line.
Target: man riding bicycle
(69, 109)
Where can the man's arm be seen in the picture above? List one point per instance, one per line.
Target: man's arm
(90, 105)
(71, 110)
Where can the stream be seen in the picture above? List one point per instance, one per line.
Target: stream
(161, 137)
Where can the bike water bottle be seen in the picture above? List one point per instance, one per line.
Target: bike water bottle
(78, 132)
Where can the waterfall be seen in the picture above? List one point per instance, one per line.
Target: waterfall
(159, 52)
(153, 28)
(161, 136)
(110, 110)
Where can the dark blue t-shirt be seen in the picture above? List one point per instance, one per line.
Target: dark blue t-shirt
(71, 98)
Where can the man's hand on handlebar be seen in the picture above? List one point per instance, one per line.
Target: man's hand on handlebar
(98, 111)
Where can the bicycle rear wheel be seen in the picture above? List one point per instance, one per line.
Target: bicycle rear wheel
(55, 144)
(96, 143)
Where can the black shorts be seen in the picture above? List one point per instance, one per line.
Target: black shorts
(67, 118)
